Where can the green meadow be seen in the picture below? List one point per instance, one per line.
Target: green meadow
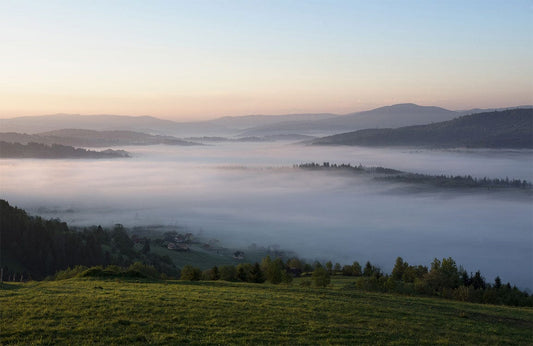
(113, 311)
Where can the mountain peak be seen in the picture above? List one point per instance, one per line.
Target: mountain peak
(402, 105)
(409, 107)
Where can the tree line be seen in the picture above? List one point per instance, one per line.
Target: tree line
(442, 279)
(54, 151)
(451, 181)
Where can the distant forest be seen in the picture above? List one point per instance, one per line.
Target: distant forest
(54, 151)
(443, 181)
(506, 129)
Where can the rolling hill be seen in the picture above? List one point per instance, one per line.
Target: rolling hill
(263, 126)
(389, 117)
(42, 123)
(225, 126)
(249, 121)
(503, 129)
(92, 138)
(55, 151)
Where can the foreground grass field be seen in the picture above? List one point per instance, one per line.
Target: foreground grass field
(85, 311)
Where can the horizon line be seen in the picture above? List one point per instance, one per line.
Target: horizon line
(261, 114)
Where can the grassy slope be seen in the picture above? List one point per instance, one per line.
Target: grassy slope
(89, 311)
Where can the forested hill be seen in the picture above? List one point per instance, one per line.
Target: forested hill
(37, 247)
(505, 129)
(91, 138)
(54, 151)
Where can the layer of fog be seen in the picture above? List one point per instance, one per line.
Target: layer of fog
(243, 193)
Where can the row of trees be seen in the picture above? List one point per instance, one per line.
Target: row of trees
(460, 181)
(435, 180)
(443, 278)
(273, 271)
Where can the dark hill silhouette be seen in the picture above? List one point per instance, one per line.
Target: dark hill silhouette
(41, 123)
(225, 126)
(384, 117)
(505, 129)
(92, 138)
(54, 151)
(486, 110)
(405, 114)
(35, 248)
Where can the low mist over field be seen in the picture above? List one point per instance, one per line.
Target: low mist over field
(243, 193)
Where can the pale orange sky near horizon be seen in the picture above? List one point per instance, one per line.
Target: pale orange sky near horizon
(195, 108)
(202, 60)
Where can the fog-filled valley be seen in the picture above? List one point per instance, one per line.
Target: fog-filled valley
(243, 193)
(266, 172)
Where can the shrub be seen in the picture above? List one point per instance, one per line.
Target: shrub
(320, 277)
(228, 273)
(190, 273)
(69, 273)
(144, 270)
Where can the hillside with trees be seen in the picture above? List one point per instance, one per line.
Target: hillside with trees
(33, 248)
(55, 151)
(397, 115)
(505, 129)
(92, 138)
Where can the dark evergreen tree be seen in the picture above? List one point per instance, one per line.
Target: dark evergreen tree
(497, 282)
(256, 274)
(399, 269)
(356, 269)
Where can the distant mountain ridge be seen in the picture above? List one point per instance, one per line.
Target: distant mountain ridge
(394, 116)
(248, 121)
(42, 123)
(486, 110)
(225, 126)
(54, 151)
(241, 126)
(501, 129)
(92, 138)
(389, 116)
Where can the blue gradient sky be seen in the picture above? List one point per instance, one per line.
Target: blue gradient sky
(203, 59)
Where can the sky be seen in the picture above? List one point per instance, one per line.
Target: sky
(195, 60)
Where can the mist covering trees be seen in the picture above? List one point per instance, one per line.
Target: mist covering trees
(51, 248)
(40, 248)
(440, 181)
